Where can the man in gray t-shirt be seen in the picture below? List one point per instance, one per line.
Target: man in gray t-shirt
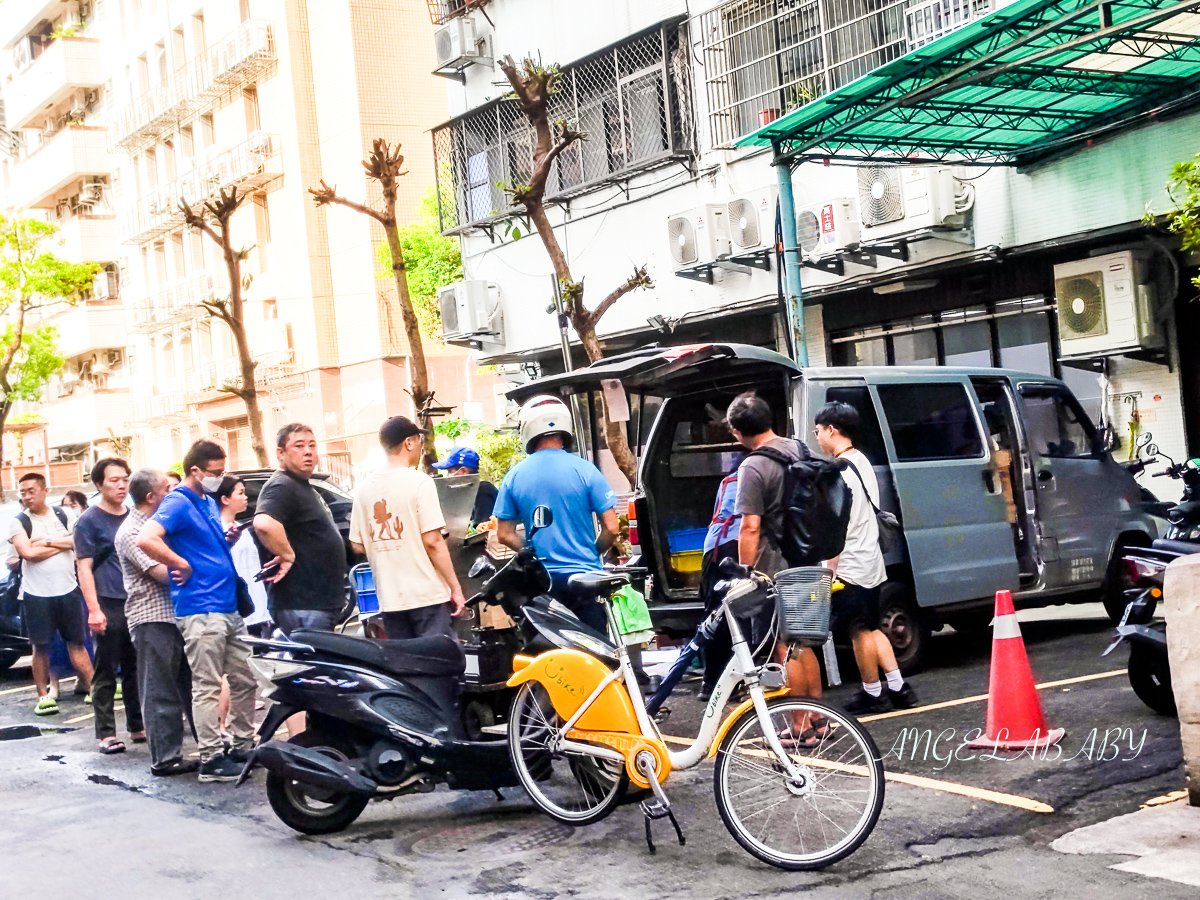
(760, 503)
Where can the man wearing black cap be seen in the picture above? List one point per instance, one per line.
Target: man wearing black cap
(397, 522)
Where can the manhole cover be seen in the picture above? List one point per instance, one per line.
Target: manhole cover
(492, 840)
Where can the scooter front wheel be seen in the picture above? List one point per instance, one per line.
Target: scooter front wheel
(1150, 678)
(574, 788)
(308, 809)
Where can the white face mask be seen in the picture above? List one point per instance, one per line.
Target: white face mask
(210, 483)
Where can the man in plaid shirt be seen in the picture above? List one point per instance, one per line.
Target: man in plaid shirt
(163, 676)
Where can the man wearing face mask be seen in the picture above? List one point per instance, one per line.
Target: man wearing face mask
(186, 536)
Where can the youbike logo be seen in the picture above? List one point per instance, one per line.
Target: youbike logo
(558, 675)
(923, 745)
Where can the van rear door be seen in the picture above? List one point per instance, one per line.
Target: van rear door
(955, 520)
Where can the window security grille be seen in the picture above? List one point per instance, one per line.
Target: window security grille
(632, 100)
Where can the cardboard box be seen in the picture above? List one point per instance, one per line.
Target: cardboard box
(493, 616)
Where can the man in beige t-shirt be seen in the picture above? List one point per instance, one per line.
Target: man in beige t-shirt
(397, 522)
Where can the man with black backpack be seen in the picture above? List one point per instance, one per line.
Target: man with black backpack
(51, 600)
(762, 505)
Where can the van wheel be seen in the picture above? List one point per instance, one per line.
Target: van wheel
(1116, 583)
(906, 627)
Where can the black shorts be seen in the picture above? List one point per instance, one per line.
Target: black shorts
(44, 616)
(854, 609)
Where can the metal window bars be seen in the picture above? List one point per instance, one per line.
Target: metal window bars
(632, 100)
(764, 58)
(252, 164)
(176, 303)
(441, 11)
(238, 59)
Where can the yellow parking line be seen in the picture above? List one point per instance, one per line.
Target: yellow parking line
(30, 687)
(1165, 798)
(84, 718)
(920, 781)
(975, 699)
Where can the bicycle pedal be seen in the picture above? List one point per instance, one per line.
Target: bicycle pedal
(652, 808)
(662, 715)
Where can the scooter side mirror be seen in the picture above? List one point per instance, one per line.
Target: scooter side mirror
(480, 566)
(543, 517)
(1151, 449)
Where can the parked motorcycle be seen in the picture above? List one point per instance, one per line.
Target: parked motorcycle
(383, 718)
(1145, 568)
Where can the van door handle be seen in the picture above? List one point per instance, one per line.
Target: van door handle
(1045, 475)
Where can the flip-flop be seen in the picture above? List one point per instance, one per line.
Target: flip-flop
(111, 745)
(46, 706)
(138, 737)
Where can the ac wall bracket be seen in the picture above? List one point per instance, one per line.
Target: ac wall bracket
(833, 265)
(730, 265)
(697, 273)
(758, 259)
(897, 250)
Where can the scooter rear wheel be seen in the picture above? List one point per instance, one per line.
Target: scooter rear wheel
(1150, 678)
(574, 788)
(313, 810)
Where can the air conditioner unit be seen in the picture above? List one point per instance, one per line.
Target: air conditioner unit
(455, 44)
(1107, 305)
(91, 194)
(699, 236)
(100, 286)
(751, 220)
(826, 227)
(894, 200)
(468, 313)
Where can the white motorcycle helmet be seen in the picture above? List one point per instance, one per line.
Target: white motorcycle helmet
(544, 415)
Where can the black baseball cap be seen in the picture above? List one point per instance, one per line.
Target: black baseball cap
(394, 431)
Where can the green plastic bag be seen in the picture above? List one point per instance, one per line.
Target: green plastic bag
(632, 615)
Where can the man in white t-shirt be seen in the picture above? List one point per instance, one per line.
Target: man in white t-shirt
(860, 568)
(50, 598)
(397, 522)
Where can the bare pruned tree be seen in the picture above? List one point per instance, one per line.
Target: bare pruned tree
(212, 217)
(534, 85)
(385, 165)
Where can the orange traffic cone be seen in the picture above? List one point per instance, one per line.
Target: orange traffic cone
(1014, 717)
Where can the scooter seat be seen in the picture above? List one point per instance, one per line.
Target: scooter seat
(592, 585)
(1183, 548)
(436, 655)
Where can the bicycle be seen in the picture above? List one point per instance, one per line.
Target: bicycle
(570, 707)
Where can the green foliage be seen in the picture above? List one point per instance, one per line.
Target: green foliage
(36, 360)
(431, 261)
(64, 31)
(499, 450)
(1183, 187)
(452, 428)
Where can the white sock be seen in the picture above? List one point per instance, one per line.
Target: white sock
(874, 688)
(895, 680)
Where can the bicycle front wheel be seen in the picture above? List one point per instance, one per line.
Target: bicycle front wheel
(810, 819)
(574, 788)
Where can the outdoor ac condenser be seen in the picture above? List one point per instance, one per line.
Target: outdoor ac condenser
(454, 43)
(826, 227)
(1107, 305)
(469, 314)
(751, 219)
(896, 200)
(699, 236)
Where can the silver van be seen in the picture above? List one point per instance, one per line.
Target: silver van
(998, 477)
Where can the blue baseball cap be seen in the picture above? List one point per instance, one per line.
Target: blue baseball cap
(459, 456)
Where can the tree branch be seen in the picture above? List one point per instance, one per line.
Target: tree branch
(326, 195)
(639, 279)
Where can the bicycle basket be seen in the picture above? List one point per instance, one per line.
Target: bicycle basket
(802, 603)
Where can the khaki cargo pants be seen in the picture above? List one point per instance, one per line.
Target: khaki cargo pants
(211, 643)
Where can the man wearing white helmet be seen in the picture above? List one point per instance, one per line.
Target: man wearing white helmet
(572, 488)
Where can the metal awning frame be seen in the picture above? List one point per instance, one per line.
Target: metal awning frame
(960, 64)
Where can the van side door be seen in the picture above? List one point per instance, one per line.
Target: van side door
(956, 524)
(1079, 502)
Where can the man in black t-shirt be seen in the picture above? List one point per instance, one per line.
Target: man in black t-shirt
(294, 524)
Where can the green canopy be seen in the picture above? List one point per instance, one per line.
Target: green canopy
(1029, 79)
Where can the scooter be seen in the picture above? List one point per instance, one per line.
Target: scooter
(1145, 568)
(383, 718)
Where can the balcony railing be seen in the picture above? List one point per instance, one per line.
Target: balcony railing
(161, 409)
(75, 152)
(247, 166)
(174, 304)
(67, 65)
(239, 59)
(226, 373)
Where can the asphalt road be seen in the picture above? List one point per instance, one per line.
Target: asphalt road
(84, 825)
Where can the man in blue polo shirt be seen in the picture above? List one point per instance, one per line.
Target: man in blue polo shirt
(572, 488)
(185, 534)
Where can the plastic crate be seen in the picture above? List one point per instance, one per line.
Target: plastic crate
(802, 603)
(364, 589)
(686, 540)
(688, 561)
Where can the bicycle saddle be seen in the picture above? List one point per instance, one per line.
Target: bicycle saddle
(593, 585)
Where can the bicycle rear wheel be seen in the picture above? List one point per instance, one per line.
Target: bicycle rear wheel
(811, 821)
(574, 788)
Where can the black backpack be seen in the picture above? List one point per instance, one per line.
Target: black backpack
(816, 506)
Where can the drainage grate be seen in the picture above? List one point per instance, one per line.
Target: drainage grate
(492, 840)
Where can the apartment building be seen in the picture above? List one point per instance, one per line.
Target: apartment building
(918, 264)
(267, 97)
(57, 165)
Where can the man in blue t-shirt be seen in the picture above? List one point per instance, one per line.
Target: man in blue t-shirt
(185, 535)
(572, 488)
